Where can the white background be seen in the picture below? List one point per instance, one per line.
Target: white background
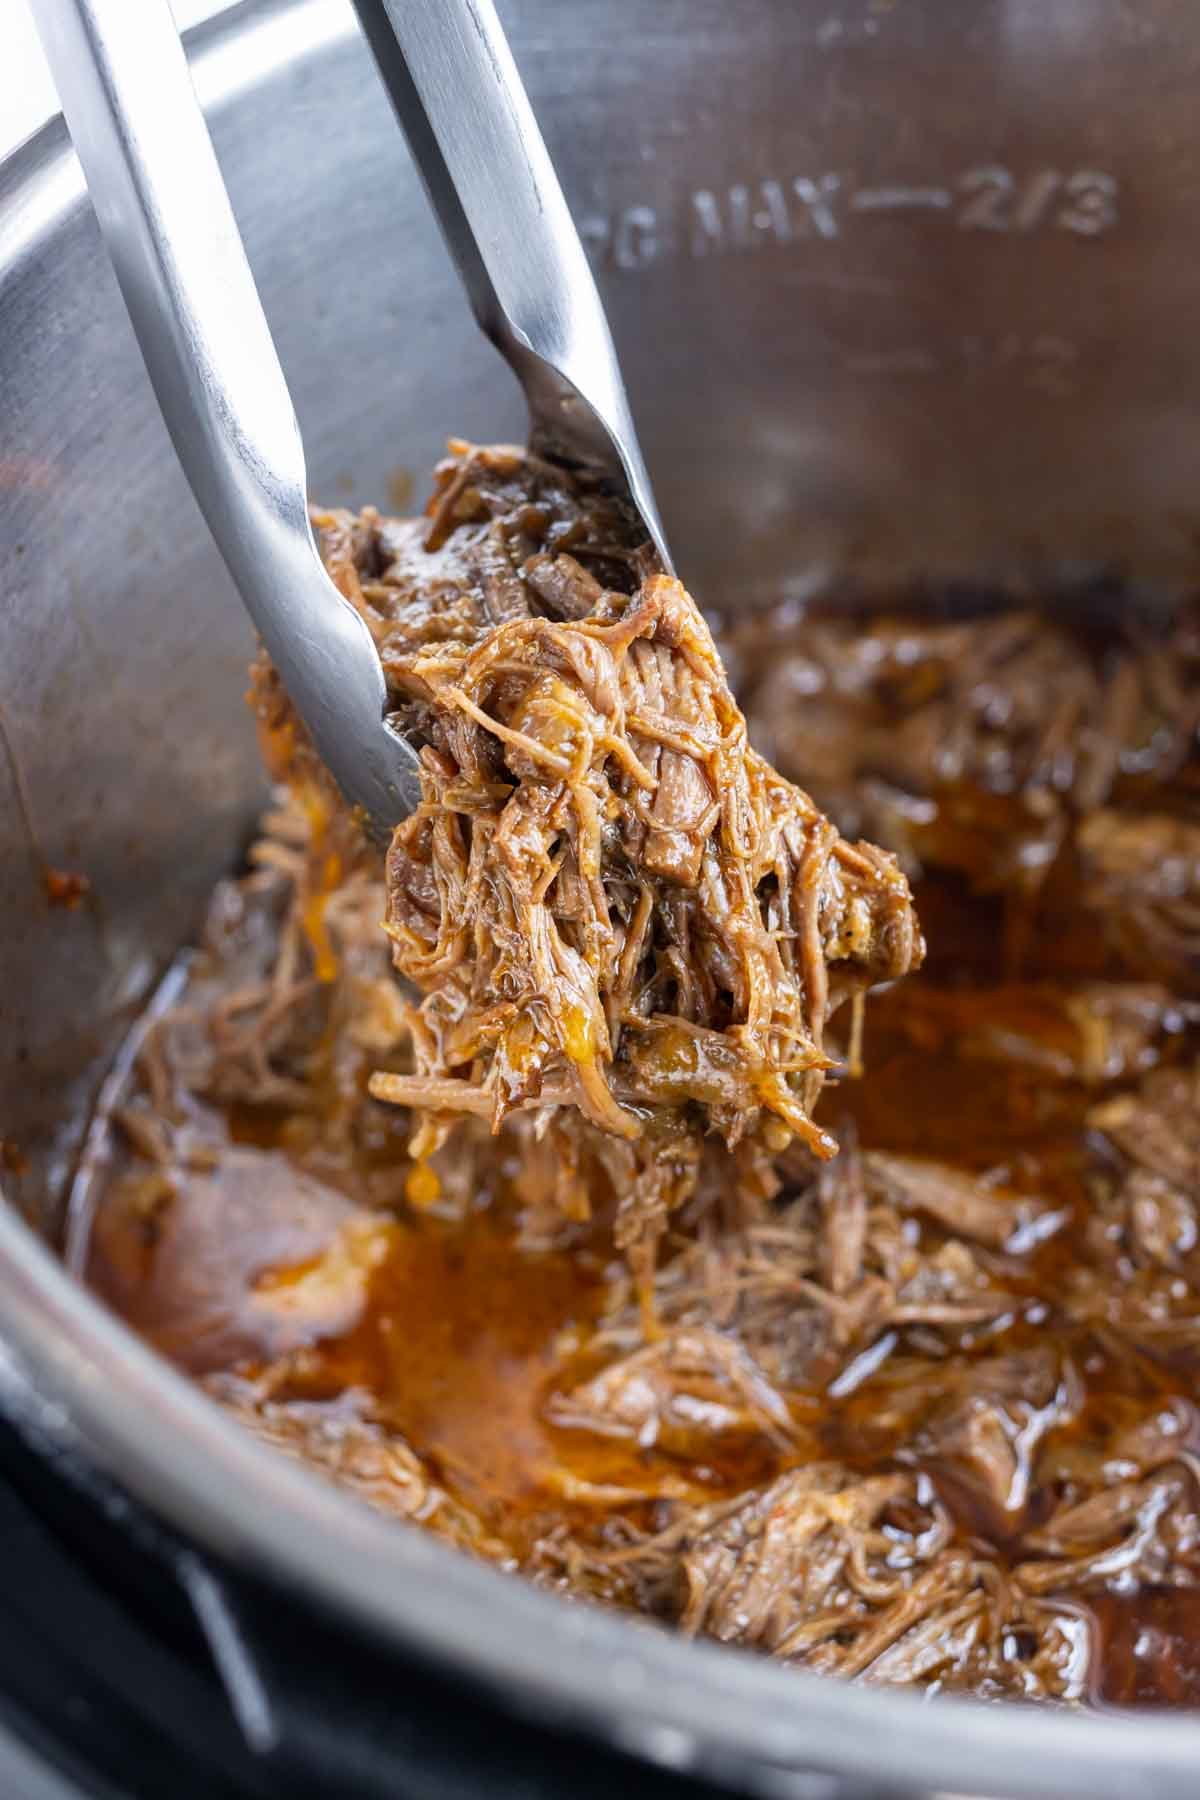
(26, 90)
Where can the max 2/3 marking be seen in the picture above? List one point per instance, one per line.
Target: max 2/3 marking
(775, 212)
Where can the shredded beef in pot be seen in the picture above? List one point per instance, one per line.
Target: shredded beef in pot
(608, 902)
(490, 1181)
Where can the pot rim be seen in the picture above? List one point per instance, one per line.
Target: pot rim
(80, 1381)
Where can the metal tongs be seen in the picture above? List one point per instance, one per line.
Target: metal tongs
(156, 186)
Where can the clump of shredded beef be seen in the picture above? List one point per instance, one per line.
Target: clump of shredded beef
(609, 904)
(345, 1442)
(850, 1576)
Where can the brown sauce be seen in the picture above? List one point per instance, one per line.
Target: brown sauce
(1151, 1648)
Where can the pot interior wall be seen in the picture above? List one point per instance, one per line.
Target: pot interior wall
(902, 290)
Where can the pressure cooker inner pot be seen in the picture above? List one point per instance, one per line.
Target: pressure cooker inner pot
(904, 293)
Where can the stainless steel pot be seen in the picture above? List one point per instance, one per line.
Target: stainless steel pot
(903, 287)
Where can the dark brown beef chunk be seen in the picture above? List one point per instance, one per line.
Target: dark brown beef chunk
(858, 1577)
(693, 1393)
(1140, 874)
(976, 745)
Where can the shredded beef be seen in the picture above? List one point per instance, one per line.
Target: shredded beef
(607, 901)
(343, 1441)
(852, 1576)
(916, 1413)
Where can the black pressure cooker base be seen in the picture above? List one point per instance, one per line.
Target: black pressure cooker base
(133, 1669)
